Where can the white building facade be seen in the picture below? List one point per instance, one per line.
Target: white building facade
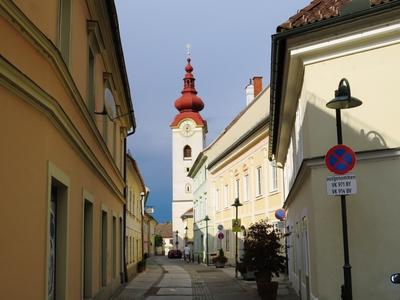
(188, 140)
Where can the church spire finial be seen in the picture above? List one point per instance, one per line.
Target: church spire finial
(189, 51)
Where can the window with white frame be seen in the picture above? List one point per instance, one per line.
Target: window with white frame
(227, 240)
(226, 195)
(246, 188)
(259, 181)
(216, 197)
(237, 189)
(273, 177)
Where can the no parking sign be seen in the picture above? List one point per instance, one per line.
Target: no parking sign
(340, 159)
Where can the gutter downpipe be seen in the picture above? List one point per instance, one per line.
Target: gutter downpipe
(125, 276)
(144, 196)
(278, 53)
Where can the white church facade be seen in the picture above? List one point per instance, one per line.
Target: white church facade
(188, 140)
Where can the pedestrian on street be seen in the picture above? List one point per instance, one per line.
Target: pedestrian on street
(186, 253)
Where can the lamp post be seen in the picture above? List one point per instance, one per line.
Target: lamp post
(186, 236)
(236, 205)
(176, 239)
(206, 218)
(344, 100)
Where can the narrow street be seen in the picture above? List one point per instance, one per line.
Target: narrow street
(174, 279)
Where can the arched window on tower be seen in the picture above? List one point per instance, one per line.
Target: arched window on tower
(187, 152)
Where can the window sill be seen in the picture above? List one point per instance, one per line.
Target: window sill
(274, 192)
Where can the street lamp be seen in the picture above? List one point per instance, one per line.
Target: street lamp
(206, 218)
(176, 239)
(236, 205)
(344, 100)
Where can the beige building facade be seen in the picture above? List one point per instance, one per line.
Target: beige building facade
(361, 46)
(237, 166)
(136, 195)
(149, 226)
(66, 113)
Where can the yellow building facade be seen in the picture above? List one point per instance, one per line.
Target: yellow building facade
(136, 195)
(66, 113)
(237, 166)
(364, 50)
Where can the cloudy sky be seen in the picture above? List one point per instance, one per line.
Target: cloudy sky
(230, 42)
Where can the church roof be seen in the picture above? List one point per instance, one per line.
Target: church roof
(189, 104)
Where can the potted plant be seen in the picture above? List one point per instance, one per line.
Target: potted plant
(220, 260)
(246, 270)
(263, 251)
(159, 243)
(141, 265)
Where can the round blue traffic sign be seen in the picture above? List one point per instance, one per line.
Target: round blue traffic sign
(340, 159)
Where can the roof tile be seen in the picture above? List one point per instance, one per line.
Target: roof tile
(319, 10)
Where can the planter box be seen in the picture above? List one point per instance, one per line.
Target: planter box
(249, 275)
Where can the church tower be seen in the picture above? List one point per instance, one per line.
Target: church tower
(188, 140)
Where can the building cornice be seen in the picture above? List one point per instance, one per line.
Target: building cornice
(51, 53)
(280, 58)
(240, 141)
(29, 91)
(201, 158)
(319, 161)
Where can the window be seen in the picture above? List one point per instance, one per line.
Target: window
(132, 202)
(273, 177)
(65, 29)
(226, 195)
(91, 95)
(87, 248)
(187, 152)
(237, 190)
(259, 181)
(217, 200)
(109, 108)
(103, 248)
(57, 267)
(227, 241)
(114, 246)
(246, 187)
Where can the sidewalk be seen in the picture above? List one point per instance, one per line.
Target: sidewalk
(285, 291)
(171, 279)
(142, 283)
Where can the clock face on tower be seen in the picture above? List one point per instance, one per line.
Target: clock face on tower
(187, 127)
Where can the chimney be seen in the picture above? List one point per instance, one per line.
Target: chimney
(257, 82)
(249, 93)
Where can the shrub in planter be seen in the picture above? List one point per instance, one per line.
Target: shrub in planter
(220, 260)
(141, 266)
(263, 251)
(247, 271)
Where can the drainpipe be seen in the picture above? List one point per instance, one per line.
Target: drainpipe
(125, 275)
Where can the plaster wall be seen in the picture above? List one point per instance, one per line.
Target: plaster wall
(367, 127)
(183, 199)
(32, 142)
(372, 213)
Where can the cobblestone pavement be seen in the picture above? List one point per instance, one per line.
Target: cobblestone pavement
(171, 279)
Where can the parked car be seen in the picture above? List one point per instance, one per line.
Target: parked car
(174, 254)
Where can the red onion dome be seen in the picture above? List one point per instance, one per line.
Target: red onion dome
(189, 101)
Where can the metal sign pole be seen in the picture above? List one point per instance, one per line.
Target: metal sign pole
(346, 288)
